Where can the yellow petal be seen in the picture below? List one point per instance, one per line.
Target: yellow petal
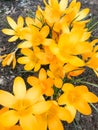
(4, 109)
(64, 114)
(29, 66)
(11, 22)
(19, 88)
(90, 97)
(58, 82)
(83, 107)
(8, 31)
(29, 21)
(9, 118)
(54, 123)
(44, 107)
(63, 4)
(6, 99)
(33, 81)
(45, 31)
(72, 111)
(82, 14)
(42, 74)
(67, 87)
(33, 94)
(20, 21)
(23, 60)
(14, 62)
(63, 99)
(29, 123)
(75, 61)
(25, 44)
(28, 52)
(12, 39)
(16, 127)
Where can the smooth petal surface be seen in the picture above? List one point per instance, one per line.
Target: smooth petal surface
(41, 107)
(20, 21)
(54, 123)
(19, 88)
(90, 97)
(6, 99)
(9, 118)
(33, 94)
(83, 107)
(45, 31)
(42, 74)
(67, 87)
(63, 4)
(11, 22)
(8, 31)
(25, 44)
(29, 123)
(12, 39)
(23, 60)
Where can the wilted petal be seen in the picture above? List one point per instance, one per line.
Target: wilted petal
(19, 88)
(9, 118)
(6, 99)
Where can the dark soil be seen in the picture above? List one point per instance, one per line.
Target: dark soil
(14, 8)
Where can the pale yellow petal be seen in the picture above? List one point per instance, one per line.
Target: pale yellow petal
(8, 31)
(63, 4)
(20, 21)
(82, 14)
(11, 22)
(12, 39)
(6, 99)
(19, 88)
(9, 118)
(25, 44)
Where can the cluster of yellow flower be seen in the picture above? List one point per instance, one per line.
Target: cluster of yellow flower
(55, 43)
